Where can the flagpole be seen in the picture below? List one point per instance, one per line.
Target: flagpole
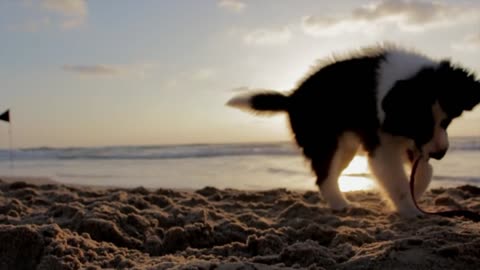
(10, 143)
(6, 117)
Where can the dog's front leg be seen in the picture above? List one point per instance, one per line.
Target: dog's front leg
(386, 163)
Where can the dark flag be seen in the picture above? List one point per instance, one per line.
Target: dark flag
(5, 116)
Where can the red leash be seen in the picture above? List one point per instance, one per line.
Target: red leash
(452, 213)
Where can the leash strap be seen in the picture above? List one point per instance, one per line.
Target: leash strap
(452, 213)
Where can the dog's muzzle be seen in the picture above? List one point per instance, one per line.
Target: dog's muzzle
(439, 154)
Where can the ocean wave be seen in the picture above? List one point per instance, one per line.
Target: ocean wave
(153, 152)
(463, 179)
(287, 172)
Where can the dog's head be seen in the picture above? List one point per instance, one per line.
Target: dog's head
(458, 90)
(422, 107)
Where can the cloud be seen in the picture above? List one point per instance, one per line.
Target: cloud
(92, 69)
(410, 16)
(66, 7)
(232, 5)
(265, 37)
(469, 43)
(64, 14)
(328, 26)
(73, 12)
(139, 70)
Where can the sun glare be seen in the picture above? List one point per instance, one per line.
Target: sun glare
(356, 176)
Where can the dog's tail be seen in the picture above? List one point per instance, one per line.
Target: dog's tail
(261, 102)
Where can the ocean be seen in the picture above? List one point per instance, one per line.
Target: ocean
(256, 166)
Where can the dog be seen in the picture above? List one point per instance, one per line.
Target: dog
(395, 103)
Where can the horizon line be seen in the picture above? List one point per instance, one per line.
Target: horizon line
(183, 144)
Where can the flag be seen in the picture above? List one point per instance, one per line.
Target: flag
(5, 116)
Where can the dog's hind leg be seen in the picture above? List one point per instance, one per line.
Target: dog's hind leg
(347, 148)
(328, 162)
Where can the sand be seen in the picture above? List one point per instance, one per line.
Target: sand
(53, 226)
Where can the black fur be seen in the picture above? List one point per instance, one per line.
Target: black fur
(408, 107)
(270, 101)
(328, 103)
(458, 89)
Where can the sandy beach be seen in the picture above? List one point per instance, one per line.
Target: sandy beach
(53, 226)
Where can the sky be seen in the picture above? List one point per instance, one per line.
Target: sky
(117, 72)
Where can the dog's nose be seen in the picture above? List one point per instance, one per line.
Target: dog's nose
(438, 155)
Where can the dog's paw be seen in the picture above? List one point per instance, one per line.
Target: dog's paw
(355, 209)
(339, 205)
(410, 212)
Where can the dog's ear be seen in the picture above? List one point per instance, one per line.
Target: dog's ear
(408, 109)
(475, 96)
(458, 89)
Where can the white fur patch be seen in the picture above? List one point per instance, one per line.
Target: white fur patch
(397, 65)
(243, 102)
(439, 141)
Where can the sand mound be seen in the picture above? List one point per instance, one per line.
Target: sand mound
(60, 227)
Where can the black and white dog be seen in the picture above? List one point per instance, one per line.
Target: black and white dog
(395, 103)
